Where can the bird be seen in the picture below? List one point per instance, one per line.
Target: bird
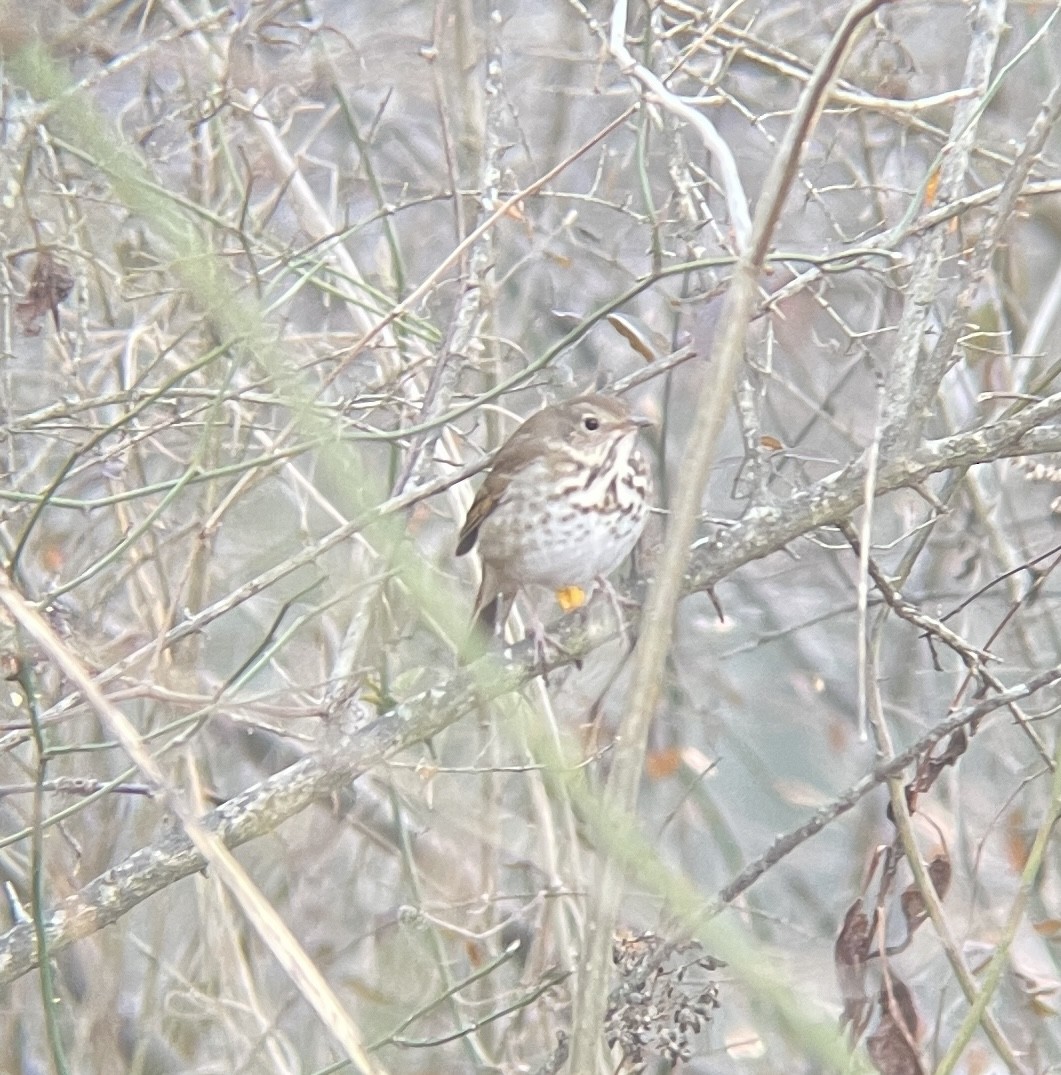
(563, 505)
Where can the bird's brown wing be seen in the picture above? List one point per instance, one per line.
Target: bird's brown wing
(519, 451)
(485, 501)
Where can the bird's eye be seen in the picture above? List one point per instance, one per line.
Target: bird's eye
(590, 422)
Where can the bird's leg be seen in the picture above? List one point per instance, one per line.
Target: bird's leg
(616, 601)
(535, 631)
(537, 635)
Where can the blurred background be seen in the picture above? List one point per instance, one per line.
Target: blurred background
(236, 317)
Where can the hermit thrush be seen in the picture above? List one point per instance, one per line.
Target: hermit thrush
(564, 503)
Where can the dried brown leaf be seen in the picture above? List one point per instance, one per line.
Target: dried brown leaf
(1017, 844)
(850, 954)
(911, 900)
(892, 1045)
(890, 1051)
(50, 283)
(930, 768)
(662, 763)
(634, 334)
